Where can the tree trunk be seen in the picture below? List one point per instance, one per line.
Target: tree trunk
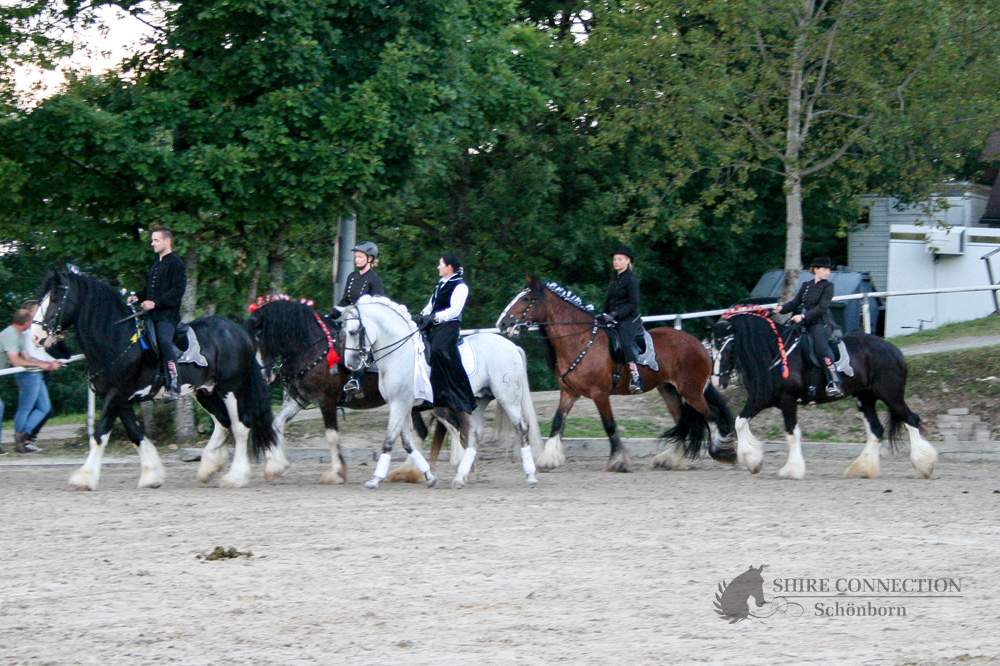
(793, 235)
(276, 264)
(254, 286)
(184, 415)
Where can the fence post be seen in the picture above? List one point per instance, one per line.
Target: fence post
(677, 322)
(91, 408)
(866, 316)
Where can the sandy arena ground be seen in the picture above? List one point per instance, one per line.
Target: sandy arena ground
(587, 568)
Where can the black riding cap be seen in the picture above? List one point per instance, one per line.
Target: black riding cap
(623, 249)
(821, 262)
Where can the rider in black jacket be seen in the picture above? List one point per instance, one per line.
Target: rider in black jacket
(360, 282)
(621, 309)
(812, 308)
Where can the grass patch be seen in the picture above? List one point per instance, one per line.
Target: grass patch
(966, 373)
(590, 427)
(986, 326)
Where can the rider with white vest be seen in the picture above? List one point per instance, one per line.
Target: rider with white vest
(441, 318)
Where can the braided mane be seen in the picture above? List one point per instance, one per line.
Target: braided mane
(568, 296)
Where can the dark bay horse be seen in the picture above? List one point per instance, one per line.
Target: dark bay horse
(577, 350)
(770, 361)
(230, 386)
(293, 342)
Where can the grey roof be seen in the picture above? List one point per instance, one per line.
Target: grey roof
(844, 282)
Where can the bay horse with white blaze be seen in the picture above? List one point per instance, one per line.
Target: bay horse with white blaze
(293, 343)
(577, 349)
(770, 360)
(230, 385)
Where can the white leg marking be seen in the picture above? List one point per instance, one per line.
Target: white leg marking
(795, 466)
(866, 465)
(381, 470)
(528, 464)
(214, 456)
(464, 467)
(88, 476)
(152, 468)
(749, 449)
(417, 459)
(239, 472)
(336, 475)
(552, 455)
(276, 461)
(671, 458)
(923, 456)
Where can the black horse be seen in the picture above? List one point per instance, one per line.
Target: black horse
(227, 380)
(293, 343)
(769, 358)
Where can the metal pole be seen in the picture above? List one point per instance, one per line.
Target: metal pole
(677, 322)
(989, 272)
(346, 233)
(866, 316)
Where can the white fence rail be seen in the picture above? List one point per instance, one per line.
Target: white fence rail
(679, 318)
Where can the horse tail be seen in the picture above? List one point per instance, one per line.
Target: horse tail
(258, 409)
(691, 429)
(720, 414)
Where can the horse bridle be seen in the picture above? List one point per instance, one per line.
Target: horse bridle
(368, 357)
(56, 332)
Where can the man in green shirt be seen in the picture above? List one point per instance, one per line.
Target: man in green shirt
(30, 408)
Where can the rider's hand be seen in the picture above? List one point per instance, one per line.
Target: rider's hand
(148, 305)
(54, 365)
(606, 318)
(797, 318)
(424, 321)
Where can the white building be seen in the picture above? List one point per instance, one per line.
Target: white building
(936, 244)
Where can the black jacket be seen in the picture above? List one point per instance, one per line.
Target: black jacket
(813, 302)
(622, 302)
(165, 285)
(359, 284)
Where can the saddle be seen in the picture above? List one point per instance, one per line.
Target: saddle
(841, 360)
(647, 353)
(185, 340)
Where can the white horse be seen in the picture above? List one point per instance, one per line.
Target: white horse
(379, 331)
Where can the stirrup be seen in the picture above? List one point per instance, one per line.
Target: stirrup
(352, 386)
(834, 390)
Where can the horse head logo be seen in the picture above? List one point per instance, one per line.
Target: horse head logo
(731, 600)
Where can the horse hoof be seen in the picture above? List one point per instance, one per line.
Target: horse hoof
(458, 483)
(617, 466)
(532, 481)
(371, 485)
(331, 478)
(432, 480)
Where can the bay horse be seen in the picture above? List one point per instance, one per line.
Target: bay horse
(577, 351)
(770, 361)
(293, 344)
(230, 386)
(378, 330)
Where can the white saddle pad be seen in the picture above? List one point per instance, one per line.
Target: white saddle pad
(422, 372)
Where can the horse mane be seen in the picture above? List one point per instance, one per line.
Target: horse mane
(755, 346)
(398, 308)
(285, 327)
(568, 296)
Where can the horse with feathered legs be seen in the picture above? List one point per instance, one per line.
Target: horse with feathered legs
(293, 342)
(770, 361)
(577, 350)
(230, 386)
(381, 331)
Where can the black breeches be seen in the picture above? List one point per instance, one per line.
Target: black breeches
(448, 379)
(627, 331)
(820, 334)
(165, 340)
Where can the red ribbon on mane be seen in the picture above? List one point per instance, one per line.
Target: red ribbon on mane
(332, 357)
(765, 314)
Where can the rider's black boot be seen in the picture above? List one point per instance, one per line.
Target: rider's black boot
(635, 381)
(174, 387)
(833, 387)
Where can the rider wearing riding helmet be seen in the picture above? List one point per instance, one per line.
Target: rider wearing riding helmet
(360, 282)
(812, 309)
(442, 317)
(621, 310)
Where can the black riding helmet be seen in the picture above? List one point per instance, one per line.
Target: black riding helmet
(368, 247)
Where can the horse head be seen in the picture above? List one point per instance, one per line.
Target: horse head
(357, 341)
(527, 308)
(57, 309)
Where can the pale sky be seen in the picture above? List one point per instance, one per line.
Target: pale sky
(97, 50)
